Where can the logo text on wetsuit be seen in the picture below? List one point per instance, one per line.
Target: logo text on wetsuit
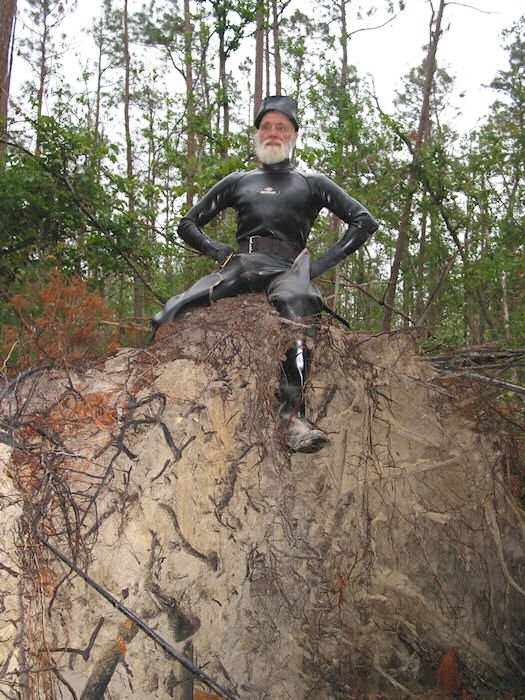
(268, 190)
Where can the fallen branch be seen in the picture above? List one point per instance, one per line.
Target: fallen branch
(497, 382)
(140, 623)
(458, 364)
(381, 302)
(127, 326)
(478, 355)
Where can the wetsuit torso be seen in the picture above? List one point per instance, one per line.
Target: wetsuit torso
(276, 201)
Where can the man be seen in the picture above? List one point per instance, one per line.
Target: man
(276, 206)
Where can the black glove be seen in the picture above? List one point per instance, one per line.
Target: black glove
(348, 244)
(194, 236)
(218, 251)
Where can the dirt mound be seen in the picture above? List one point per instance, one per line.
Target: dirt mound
(389, 564)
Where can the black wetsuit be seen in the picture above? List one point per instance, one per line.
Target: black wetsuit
(276, 207)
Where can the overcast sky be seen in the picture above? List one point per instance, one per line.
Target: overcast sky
(470, 49)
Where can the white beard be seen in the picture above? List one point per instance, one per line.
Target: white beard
(270, 153)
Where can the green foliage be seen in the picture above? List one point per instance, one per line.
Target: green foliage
(40, 216)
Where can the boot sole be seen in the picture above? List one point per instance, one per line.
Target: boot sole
(309, 444)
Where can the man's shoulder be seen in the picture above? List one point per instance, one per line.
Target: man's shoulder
(228, 182)
(234, 176)
(315, 179)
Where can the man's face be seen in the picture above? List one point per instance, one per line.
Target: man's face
(275, 138)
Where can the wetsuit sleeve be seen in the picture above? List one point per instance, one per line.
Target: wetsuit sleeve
(361, 224)
(190, 226)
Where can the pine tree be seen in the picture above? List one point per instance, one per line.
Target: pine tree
(7, 22)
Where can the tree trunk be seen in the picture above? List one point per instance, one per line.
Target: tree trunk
(188, 35)
(42, 76)
(259, 57)
(423, 128)
(220, 14)
(506, 316)
(7, 19)
(276, 49)
(151, 175)
(420, 275)
(137, 288)
(267, 54)
(98, 94)
(339, 170)
(336, 274)
(98, 37)
(344, 45)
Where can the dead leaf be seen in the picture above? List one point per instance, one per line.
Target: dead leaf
(341, 585)
(121, 644)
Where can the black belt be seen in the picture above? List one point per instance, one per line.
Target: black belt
(262, 244)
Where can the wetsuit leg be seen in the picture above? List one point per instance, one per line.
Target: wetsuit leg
(298, 436)
(227, 282)
(295, 297)
(293, 294)
(243, 273)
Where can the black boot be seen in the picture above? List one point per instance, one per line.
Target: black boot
(299, 437)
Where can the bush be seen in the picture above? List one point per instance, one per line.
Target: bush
(59, 321)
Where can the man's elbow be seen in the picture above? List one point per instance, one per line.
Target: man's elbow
(369, 224)
(184, 230)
